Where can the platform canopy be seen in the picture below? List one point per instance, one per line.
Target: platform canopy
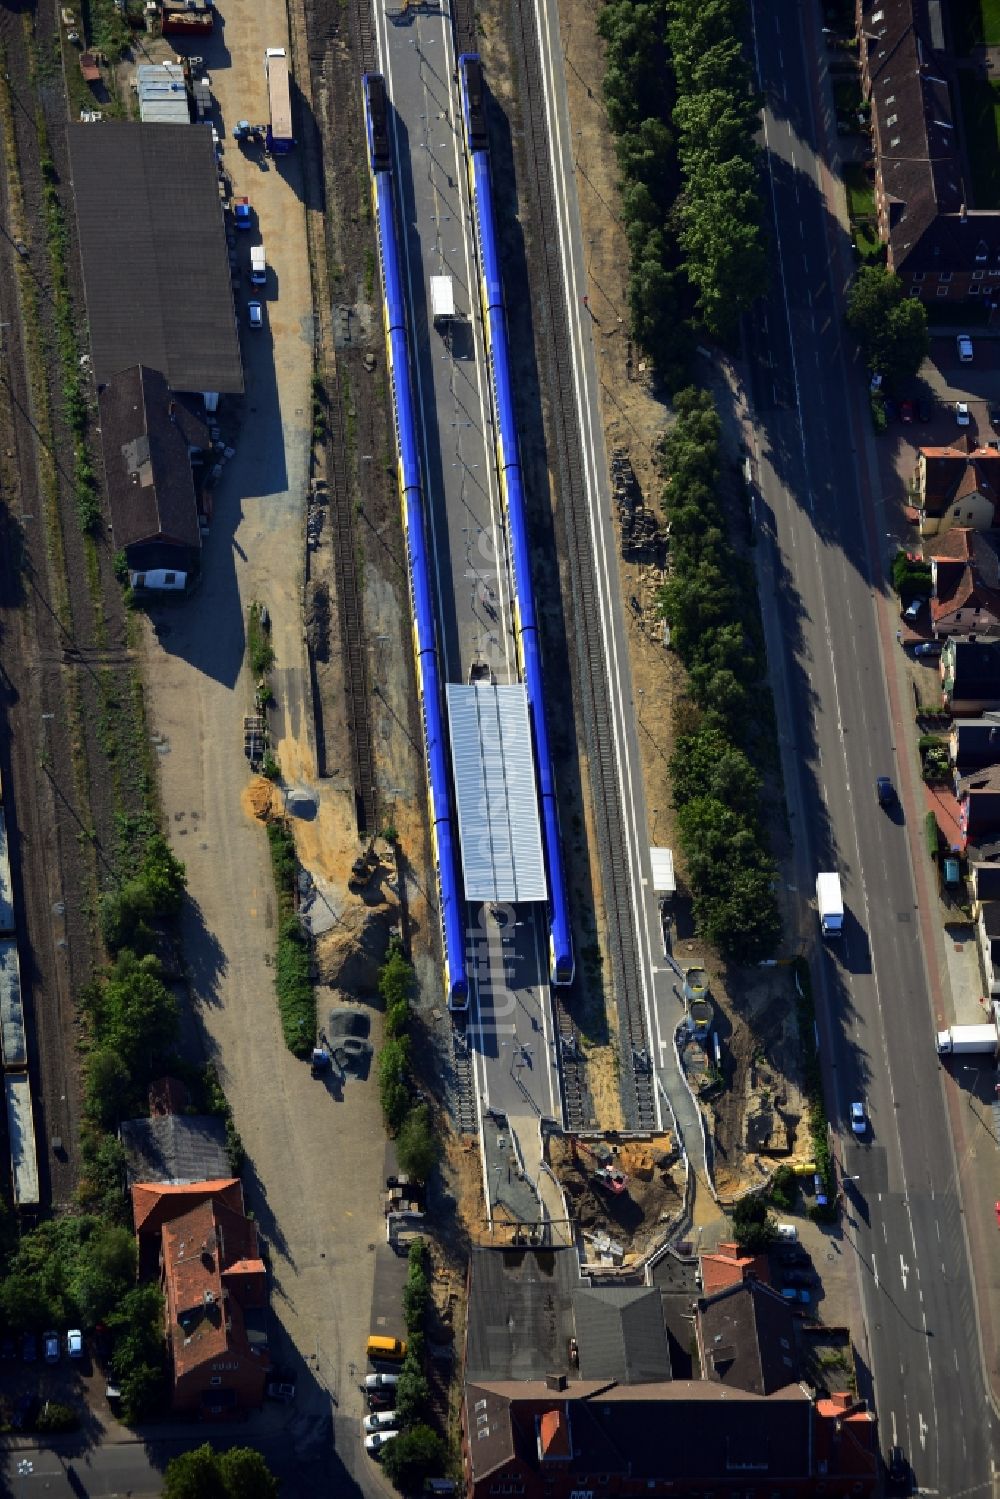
(494, 774)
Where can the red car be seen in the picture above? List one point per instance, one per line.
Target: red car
(906, 412)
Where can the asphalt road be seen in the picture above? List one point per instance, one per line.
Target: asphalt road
(511, 1023)
(822, 554)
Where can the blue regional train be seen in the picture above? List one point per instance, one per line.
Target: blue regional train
(411, 494)
(470, 73)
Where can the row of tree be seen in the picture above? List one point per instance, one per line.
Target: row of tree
(684, 115)
(710, 603)
(406, 1117)
(418, 1452)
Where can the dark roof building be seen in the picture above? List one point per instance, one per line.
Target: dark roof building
(148, 439)
(746, 1338)
(986, 882)
(175, 1149)
(621, 1335)
(965, 574)
(520, 1319)
(155, 261)
(939, 242)
(974, 743)
(970, 675)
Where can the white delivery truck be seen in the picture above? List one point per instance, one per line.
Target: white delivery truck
(830, 904)
(967, 1040)
(258, 265)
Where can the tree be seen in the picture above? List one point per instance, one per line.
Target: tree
(413, 1392)
(418, 1148)
(890, 326)
(415, 1454)
(164, 877)
(753, 1226)
(245, 1475)
(396, 979)
(108, 1083)
(193, 1475)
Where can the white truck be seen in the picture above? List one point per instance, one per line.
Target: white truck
(442, 300)
(968, 1040)
(830, 904)
(258, 265)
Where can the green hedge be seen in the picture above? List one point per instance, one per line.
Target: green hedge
(293, 969)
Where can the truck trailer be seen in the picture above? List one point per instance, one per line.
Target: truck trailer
(258, 265)
(830, 904)
(968, 1040)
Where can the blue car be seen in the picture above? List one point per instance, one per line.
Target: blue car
(241, 213)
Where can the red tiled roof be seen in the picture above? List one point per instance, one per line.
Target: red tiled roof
(957, 471)
(967, 573)
(205, 1299)
(728, 1267)
(553, 1434)
(154, 1204)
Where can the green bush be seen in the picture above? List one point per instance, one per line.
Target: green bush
(260, 652)
(784, 1188)
(753, 1227)
(413, 1393)
(393, 1081)
(56, 1417)
(204, 1473)
(932, 835)
(138, 1351)
(293, 981)
(417, 1148)
(396, 979)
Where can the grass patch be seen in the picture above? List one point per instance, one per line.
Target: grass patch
(974, 23)
(980, 105)
(860, 192)
(260, 651)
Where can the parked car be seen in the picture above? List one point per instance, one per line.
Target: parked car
(963, 343)
(50, 1342)
(74, 1343)
(377, 1440)
(793, 1254)
(928, 648)
(962, 416)
(381, 1421)
(29, 1348)
(906, 413)
(798, 1277)
(890, 409)
(885, 791)
(381, 1400)
(912, 611)
(696, 982)
(924, 411)
(859, 1120)
(380, 1381)
(241, 213)
(876, 383)
(899, 1471)
(282, 1390)
(255, 315)
(8, 1347)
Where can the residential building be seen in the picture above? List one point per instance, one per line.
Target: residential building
(984, 881)
(944, 248)
(215, 1288)
(731, 1266)
(986, 914)
(965, 584)
(974, 743)
(970, 676)
(979, 804)
(746, 1338)
(149, 440)
(958, 485)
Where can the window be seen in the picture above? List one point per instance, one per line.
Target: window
(878, 16)
(944, 275)
(987, 291)
(895, 141)
(942, 291)
(978, 275)
(973, 291)
(892, 120)
(917, 276)
(891, 100)
(215, 1379)
(914, 291)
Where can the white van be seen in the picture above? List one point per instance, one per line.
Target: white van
(159, 580)
(787, 1232)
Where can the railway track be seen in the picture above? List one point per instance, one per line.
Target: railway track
(637, 1089)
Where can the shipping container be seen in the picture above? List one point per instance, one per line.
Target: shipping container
(21, 1132)
(12, 1040)
(7, 926)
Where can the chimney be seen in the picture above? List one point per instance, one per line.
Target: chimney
(556, 1382)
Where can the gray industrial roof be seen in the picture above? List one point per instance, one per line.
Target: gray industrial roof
(494, 773)
(520, 1313)
(153, 247)
(162, 94)
(175, 1149)
(21, 1135)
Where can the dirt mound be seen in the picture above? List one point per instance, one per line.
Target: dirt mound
(349, 956)
(258, 798)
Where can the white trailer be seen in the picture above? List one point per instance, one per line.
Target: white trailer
(258, 265)
(830, 904)
(968, 1040)
(21, 1131)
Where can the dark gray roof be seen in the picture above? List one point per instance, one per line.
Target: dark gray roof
(976, 669)
(520, 1318)
(153, 246)
(145, 436)
(977, 742)
(747, 1338)
(175, 1149)
(621, 1334)
(987, 881)
(990, 917)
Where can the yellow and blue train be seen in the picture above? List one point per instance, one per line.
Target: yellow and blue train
(425, 650)
(477, 148)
